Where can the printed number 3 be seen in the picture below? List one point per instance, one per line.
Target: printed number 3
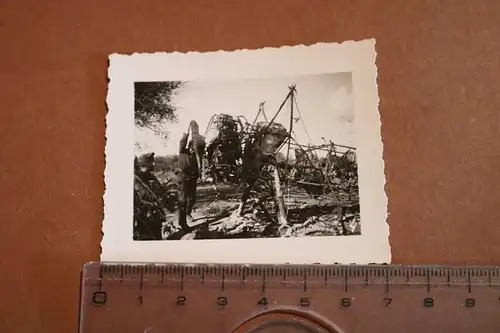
(222, 301)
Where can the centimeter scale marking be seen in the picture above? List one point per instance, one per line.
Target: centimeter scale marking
(340, 274)
(303, 286)
(172, 275)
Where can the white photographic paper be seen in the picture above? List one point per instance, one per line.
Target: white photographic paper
(251, 156)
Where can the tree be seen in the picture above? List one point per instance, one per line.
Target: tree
(166, 163)
(153, 104)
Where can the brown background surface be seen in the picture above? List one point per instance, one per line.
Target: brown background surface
(439, 74)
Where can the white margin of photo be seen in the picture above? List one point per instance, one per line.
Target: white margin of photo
(358, 57)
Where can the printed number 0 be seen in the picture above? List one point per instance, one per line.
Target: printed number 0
(99, 297)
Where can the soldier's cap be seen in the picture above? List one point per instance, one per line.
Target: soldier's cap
(146, 158)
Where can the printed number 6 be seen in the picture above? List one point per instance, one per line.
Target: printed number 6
(222, 301)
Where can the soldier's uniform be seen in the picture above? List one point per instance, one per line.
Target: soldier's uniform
(148, 202)
(188, 177)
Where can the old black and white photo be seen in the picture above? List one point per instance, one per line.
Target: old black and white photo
(271, 155)
(246, 159)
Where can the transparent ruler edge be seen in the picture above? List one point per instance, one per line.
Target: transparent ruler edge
(297, 272)
(101, 273)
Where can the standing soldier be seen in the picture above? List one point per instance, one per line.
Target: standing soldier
(148, 202)
(188, 178)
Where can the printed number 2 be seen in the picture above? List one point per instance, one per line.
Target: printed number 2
(180, 300)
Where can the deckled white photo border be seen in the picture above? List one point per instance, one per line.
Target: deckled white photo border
(358, 57)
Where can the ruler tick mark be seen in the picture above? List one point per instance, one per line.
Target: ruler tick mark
(182, 279)
(121, 274)
(142, 278)
(345, 282)
(489, 278)
(448, 279)
(222, 281)
(264, 282)
(428, 281)
(386, 281)
(469, 285)
(100, 277)
(305, 281)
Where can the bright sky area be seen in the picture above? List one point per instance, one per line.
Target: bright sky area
(325, 103)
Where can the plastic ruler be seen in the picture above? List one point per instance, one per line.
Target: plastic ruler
(130, 297)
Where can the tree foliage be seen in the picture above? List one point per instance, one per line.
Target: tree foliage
(153, 104)
(166, 163)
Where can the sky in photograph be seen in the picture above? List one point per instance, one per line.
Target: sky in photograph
(325, 103)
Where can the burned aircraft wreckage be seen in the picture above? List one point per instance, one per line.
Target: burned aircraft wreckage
(233, 145)
(233, 150)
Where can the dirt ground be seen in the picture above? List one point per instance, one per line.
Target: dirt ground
(215, 216)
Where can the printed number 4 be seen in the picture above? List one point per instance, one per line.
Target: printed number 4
(262, 301)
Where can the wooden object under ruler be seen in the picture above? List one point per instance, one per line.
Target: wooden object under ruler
(286, 298)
